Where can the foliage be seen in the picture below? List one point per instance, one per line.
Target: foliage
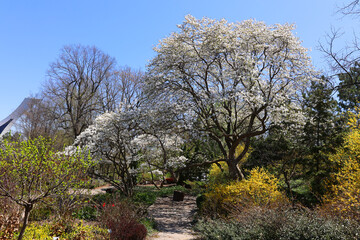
(148, 198)
(218, 173)
(86, 212)
(126, 143)
(69, 230)
(278, 224)
(345, 183)
(259, 189)
(149, 224)
(38, 173)
(349, 93)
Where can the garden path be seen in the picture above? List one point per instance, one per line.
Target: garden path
(173, 218)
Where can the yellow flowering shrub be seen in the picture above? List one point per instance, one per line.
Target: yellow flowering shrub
(259, 189)
(218, 174)
(78, 231)
(344, 185)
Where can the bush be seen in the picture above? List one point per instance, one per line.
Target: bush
(259, 189)
(85, 213)
(344, 185)
(218, 173)
(283, 224)
(65, 230)
(149, 224)
(122, 221)
(147, 198)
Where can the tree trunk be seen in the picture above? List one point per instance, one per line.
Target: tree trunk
(28, 208)
(234, 171)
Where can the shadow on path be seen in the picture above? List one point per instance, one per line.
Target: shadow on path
(173, 218)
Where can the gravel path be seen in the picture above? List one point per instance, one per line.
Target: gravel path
(173, 218)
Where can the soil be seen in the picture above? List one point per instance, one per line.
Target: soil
(173, 218)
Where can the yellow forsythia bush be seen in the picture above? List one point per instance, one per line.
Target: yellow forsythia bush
(259, 189)
(218, 173)
(344, 185)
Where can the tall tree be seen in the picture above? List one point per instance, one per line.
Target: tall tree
(236, 79)
(74, 86)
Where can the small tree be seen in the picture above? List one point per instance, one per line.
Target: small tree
(38, 173)
(109, 142)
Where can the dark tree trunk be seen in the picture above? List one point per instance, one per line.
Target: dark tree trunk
(28, 208)
(234, 171)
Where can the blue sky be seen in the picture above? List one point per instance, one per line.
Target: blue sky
(33, 32)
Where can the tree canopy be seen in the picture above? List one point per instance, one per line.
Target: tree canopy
(236, 80)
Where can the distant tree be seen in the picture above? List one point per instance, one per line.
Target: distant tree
(37, 173)
(38, 121)
(234, 79)
(342, 59)
(75, 86)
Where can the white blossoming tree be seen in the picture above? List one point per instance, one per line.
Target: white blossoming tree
(109, 142)
(235, 80)
(133, 137)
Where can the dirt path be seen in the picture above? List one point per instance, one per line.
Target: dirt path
(173, 218)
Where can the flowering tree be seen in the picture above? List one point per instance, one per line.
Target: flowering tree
(109, 142)
(134, 135)
(160, 151)
(236, 80)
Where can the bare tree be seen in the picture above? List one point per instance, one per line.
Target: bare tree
(351, 8)
(35, 121)
(125, 87)
(342, 59)
(75, 82)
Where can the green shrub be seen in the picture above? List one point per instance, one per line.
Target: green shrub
(281, 224)
(147, 198)
(149, 224)
(200, 199)
(85, 213)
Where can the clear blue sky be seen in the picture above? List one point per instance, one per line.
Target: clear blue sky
(33, 32)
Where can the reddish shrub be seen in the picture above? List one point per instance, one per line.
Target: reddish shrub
(126, 229)
(121, 219)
